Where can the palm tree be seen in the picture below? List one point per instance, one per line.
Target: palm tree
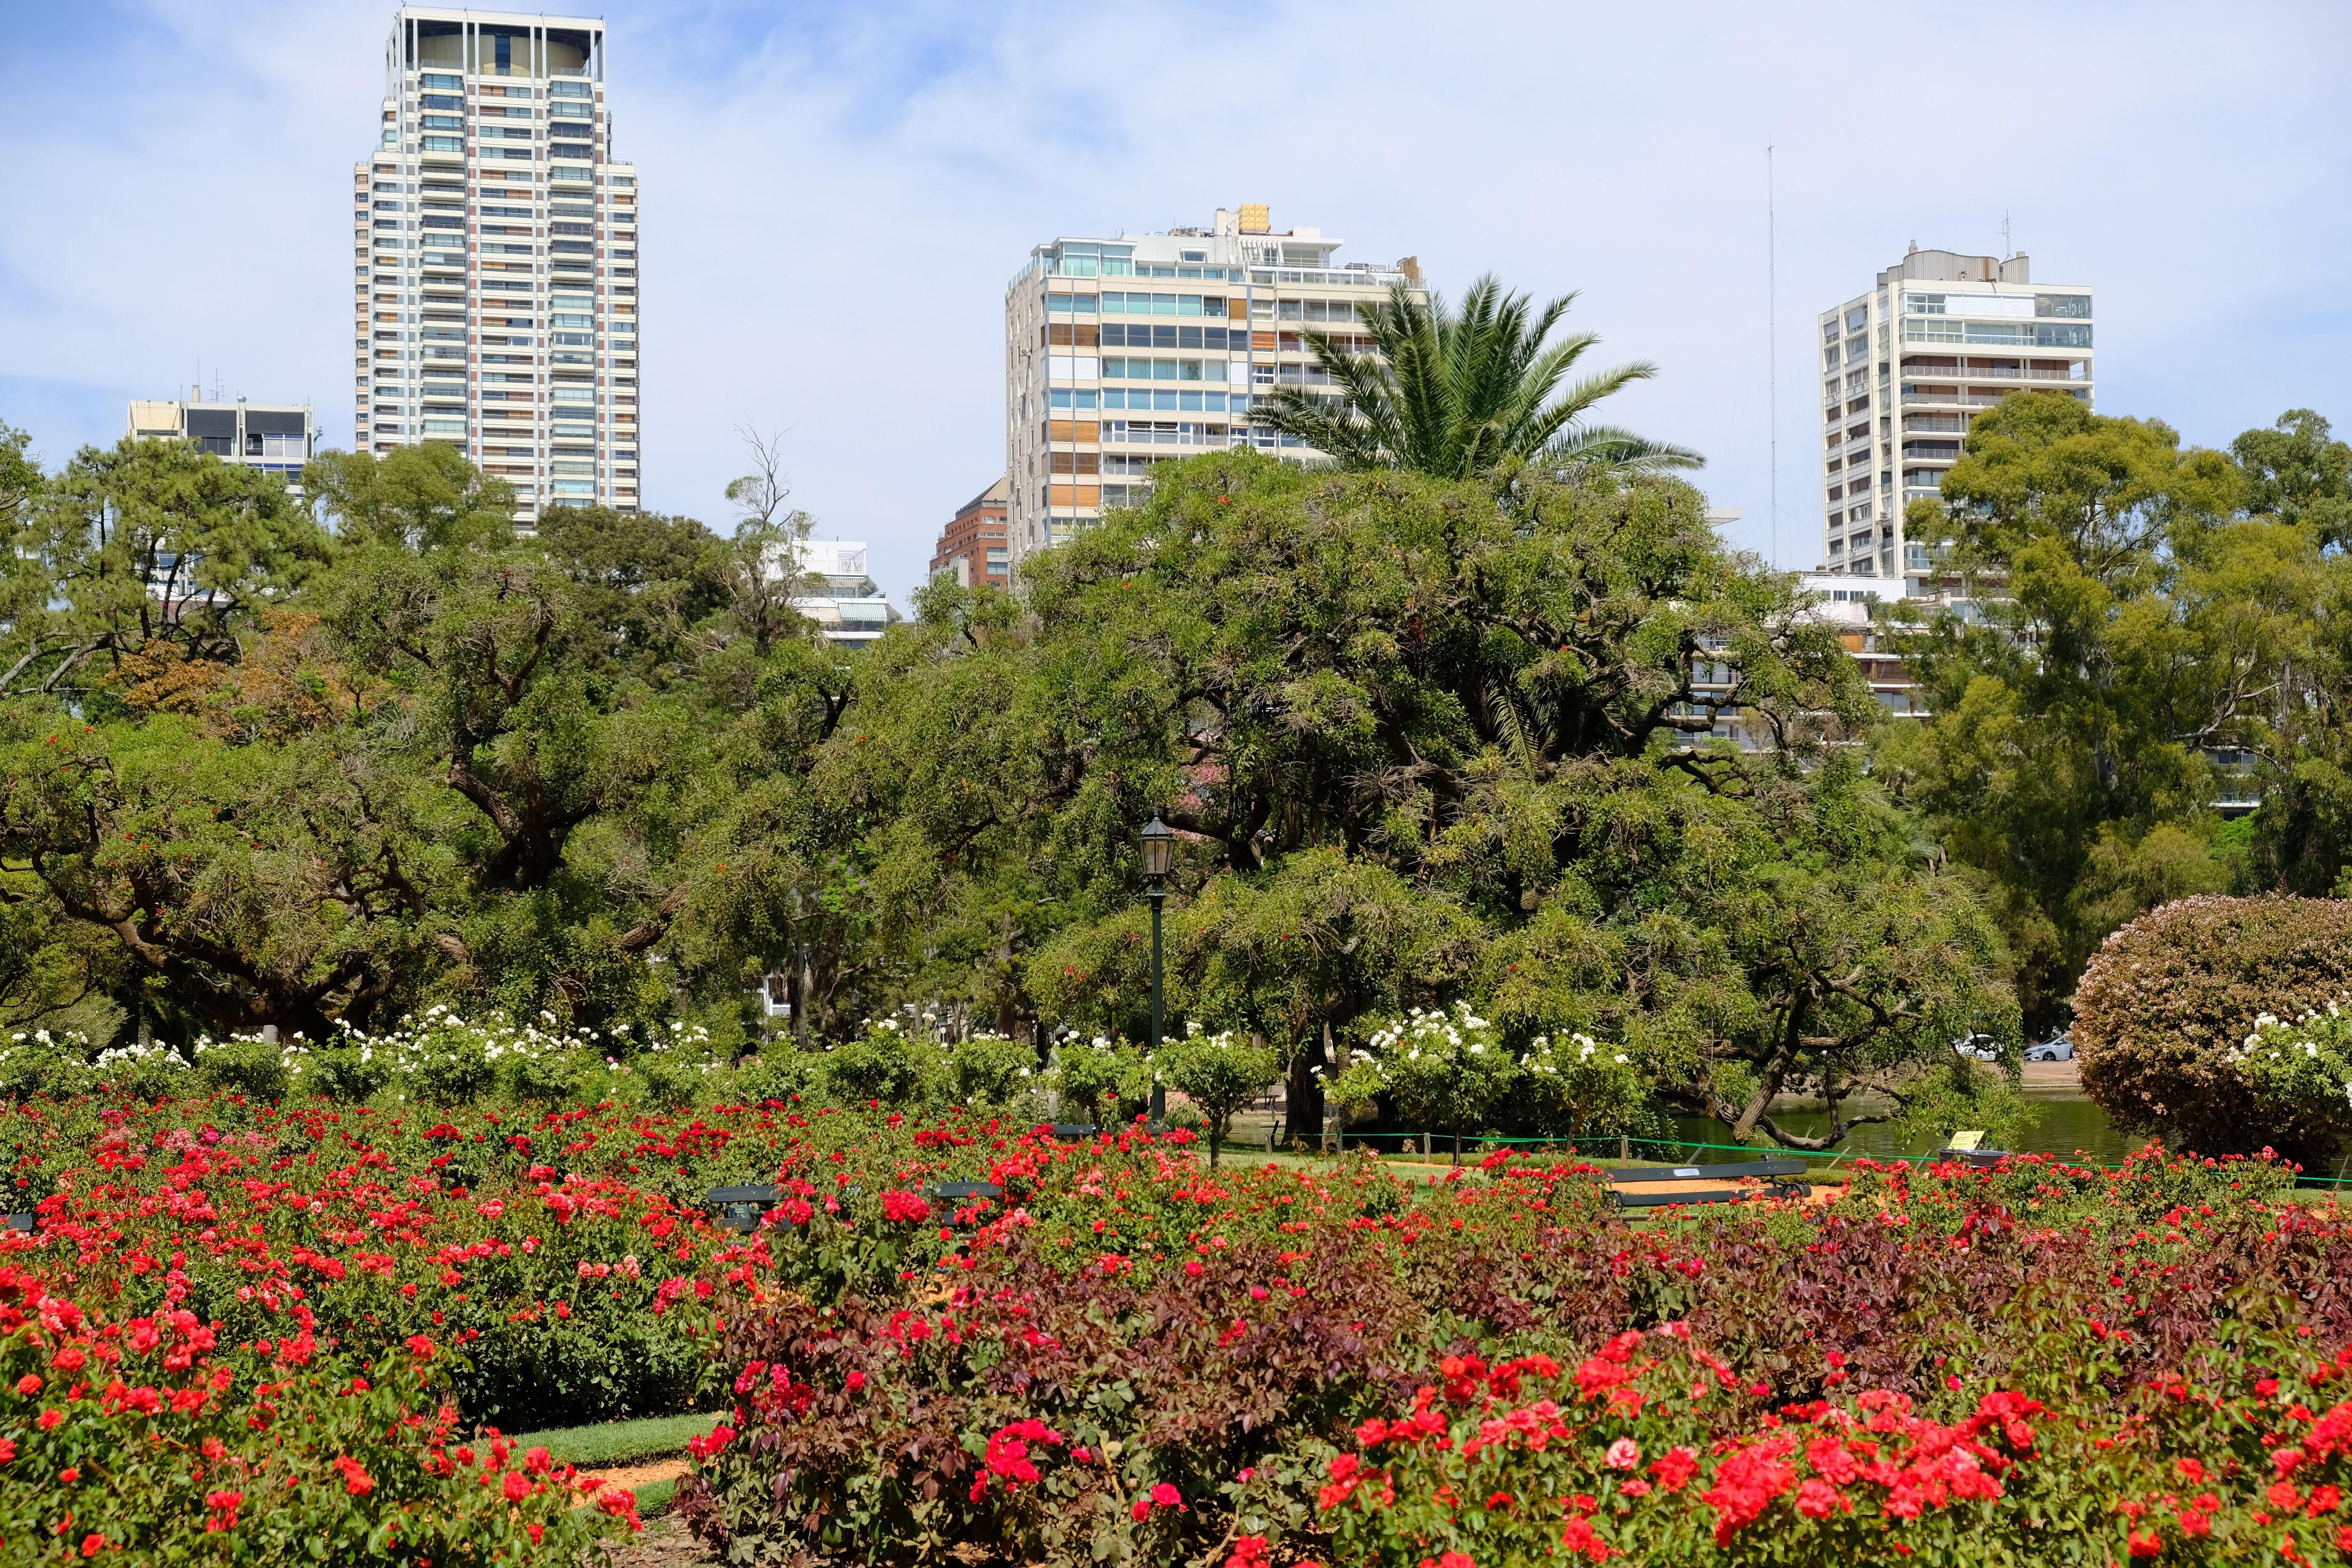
(1456, 394)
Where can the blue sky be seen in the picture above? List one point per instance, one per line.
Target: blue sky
(833, 198)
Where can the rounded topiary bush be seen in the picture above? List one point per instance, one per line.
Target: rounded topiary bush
(2167, 1002)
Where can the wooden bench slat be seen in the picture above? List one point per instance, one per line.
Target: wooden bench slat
(1762, 1168)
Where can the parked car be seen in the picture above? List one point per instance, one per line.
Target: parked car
(1978, 1048)
(2059, 1047)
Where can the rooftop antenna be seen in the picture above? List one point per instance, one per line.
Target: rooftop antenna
(2006, 251)
(1772, 341)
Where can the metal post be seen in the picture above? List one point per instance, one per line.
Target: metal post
(1158, 1091)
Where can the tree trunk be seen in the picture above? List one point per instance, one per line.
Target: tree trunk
(1303, 1110)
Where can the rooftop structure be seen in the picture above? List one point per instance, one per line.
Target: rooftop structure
(276, 437)
(838, 594)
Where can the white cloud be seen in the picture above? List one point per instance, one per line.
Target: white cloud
(833, 203)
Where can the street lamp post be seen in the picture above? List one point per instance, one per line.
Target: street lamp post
(1159, 848)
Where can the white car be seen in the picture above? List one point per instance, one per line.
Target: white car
(2057, 1048)
(1978, 1048)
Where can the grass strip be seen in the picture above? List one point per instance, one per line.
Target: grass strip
(609, 1443)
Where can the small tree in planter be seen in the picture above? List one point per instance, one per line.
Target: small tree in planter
(1445, 1072)
(1220, 1073)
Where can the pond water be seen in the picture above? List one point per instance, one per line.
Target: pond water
(2066, 1124)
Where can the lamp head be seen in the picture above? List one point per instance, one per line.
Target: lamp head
(1158, 849)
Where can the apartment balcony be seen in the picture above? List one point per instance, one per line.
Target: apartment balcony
(1981, 373)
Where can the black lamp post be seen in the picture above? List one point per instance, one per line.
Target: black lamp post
(1159, 849)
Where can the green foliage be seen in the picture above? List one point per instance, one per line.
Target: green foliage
(258, 1069)
(2062, 762)
(1428, 740)
(1219, 1074)
(990, 1073)
(1457, 395)
(880, 1065)
(1432, 741)
(2170, 1024)
(1098, 1081)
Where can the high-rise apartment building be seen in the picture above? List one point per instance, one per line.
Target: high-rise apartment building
(276, 437)
(495, 244)
(1123, 352)
(971, 548)
(1905, 368)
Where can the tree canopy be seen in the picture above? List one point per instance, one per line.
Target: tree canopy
(1427, 739)
(2155, 628)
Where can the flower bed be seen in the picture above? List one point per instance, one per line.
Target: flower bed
(1190, 1383)
(1125, 1352)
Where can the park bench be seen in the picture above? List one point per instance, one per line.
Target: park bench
(954, 1196)
(1965, 1146)
(740, 1208)
(1627, 1186)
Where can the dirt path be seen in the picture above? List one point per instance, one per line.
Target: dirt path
(639, 1476)
(662, 1543)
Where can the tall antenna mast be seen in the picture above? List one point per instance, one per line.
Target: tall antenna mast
(1772, 341)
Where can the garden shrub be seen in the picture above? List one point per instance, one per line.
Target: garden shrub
(250, 1065)
(42, 1063)
(137, 1072)
(777, 1071)
(989, 1072)
(1656, 1451)
(1097, 1081)
(2169, 1001)
(445, 1061)
(879, 1067)
(1219, 1074)
(350, 1074)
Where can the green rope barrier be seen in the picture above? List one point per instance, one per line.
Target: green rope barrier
(1832, 1155)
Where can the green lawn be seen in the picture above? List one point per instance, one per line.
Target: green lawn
(617, 1442)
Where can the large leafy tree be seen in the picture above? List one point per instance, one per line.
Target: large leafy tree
(2140, 627)
(1459, 393)
(1430, 739)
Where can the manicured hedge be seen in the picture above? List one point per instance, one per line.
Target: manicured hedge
(2168, 1000)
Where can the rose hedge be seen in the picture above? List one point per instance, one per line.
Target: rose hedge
(1656, 1451)
(156, 1438)
(2167, 1002)
(1182, 1378)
